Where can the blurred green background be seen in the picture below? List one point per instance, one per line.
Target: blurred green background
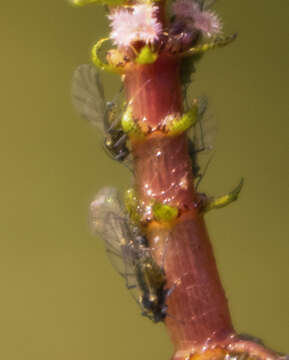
(60, 297)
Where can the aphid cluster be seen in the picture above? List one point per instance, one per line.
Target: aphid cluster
(126, 245)
(124, 236)
(125, 240)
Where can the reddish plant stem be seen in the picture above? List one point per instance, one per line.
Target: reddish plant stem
(163, 171)
(154, 90)
(198, 314)
(198, 300)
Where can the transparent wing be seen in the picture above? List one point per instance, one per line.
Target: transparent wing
(106, 207)
(88, 99)
(201, 141)
(109, 222)
(203, 134)
(88, 95)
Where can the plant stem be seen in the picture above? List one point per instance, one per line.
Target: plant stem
(197, 308)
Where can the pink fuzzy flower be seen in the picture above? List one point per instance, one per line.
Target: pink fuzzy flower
(138, 23)
(205, 21)
(208, 23)
(122, 27)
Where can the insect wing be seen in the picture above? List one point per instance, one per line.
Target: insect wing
(88, 95)
(203, 134)
(201, 140)
(109, 222)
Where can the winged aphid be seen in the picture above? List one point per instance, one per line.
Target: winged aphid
(200, 139)
(89, 100)
(128, 251)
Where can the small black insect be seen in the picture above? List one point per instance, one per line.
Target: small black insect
(151, 281)
(129, 253)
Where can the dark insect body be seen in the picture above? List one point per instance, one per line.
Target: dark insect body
(193, 152)
(88, 99)
(129, 253)
(151, 281)
(115, 144)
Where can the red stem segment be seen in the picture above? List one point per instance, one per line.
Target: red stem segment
(154, 90)
(198, 313)
(198, 304)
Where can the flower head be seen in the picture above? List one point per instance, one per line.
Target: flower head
(138, 23)
(206, 21)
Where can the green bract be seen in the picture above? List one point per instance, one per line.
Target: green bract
(215, 43)
(127, 122)
(180, 125)
(96, 59)
(224, 200)
(132, 205)
(164, 213)
(146, 56)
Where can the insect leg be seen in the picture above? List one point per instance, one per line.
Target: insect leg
(121, 141)
(201, 176)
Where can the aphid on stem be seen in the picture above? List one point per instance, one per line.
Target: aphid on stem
(126, 244)
(88, 99)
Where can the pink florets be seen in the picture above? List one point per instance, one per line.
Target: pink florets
(121, 24)
(208, 23)
(205, 21)
(138, 23)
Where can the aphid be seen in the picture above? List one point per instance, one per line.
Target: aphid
(129, 253)
(88, 99)
(200, 139)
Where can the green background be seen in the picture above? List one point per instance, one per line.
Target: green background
(60, 297)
